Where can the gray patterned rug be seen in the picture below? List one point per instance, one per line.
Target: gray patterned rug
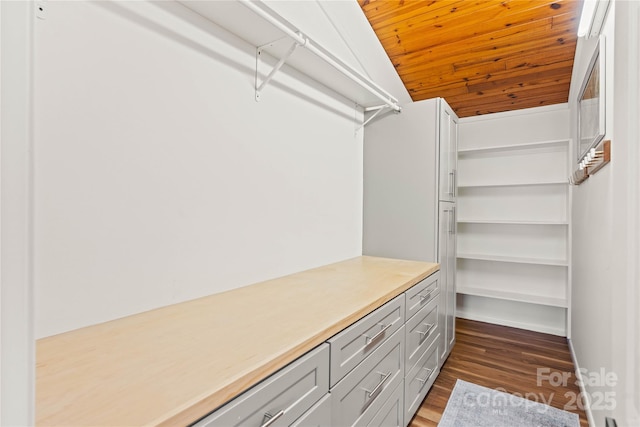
(471, 405)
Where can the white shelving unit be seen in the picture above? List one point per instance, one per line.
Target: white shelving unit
(258, 23)
(513, 226)
(516, 147)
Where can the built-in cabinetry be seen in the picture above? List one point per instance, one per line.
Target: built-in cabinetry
(423, 341)
(513, 223)
(375, 372)
(410, 180)
(260, 24)
(253, 355)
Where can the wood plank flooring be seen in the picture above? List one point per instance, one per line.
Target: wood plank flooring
(504, 358)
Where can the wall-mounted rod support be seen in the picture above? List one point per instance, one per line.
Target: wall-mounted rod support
(277, 21)
(379, 110)
(377, 107)
(275, 69)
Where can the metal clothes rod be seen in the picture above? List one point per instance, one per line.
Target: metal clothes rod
(336, 63)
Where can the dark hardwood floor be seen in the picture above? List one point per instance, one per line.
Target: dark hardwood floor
(508, 359)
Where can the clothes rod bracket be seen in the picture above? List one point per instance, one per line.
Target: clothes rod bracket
(377, 110)
(276, 68)
(269, 15)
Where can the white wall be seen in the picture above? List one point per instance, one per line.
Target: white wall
(605, 323)
(159, 179)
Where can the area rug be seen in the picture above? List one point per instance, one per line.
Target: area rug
(471, 405)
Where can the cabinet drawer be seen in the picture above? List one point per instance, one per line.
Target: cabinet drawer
(422, 293)
(360, 394)
(351, 346)
(420, 332)
(420, 379)
(392, 412)
(318, 416)
(287, 395)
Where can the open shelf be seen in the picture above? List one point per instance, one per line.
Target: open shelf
(513, 184)
(259, 24)
(507, 168)
(526, 241)
(534, 204)
(511, 222)
(491, 149)
(514, 296)
(513, 259)
(513, 226)
(514, 213)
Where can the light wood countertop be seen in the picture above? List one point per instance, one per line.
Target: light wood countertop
(173, 365)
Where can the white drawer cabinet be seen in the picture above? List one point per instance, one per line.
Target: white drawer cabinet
(280, 399)
(355, 343)
(376, 372)
(423, 338)
(419, 380)
(358, 397)
(421, 294)
(421, 330)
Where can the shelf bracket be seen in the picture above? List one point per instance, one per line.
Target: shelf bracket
(276, 68)
(377, 110)
(264, 11)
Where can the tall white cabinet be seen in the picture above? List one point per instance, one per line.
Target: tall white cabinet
(410, 176)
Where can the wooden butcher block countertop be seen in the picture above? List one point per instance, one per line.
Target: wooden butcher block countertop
(173, 365)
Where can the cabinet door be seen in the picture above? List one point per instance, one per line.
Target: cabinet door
(448, 141)
(444, 226)
(451, 281)
(447, 260)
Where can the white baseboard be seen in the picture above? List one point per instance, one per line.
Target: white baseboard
(583, 391)
(511, 323)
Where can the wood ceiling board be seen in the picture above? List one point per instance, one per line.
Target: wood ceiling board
(523, 80)
(491, 71)
(466, 67)
(442, 31)
(496, 81)
(536, 36)
(392, 11)
(457, 92)
(535, 97)
(525, 92)
(455, 49)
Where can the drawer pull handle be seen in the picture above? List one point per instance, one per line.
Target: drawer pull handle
(371, 395)
(452, 186)
(427, 296)
(378, 335)
(455, 182)
(424, 381)
(424, 334)
(270, 419)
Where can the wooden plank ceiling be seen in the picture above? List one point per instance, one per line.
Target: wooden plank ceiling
(482, 56)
